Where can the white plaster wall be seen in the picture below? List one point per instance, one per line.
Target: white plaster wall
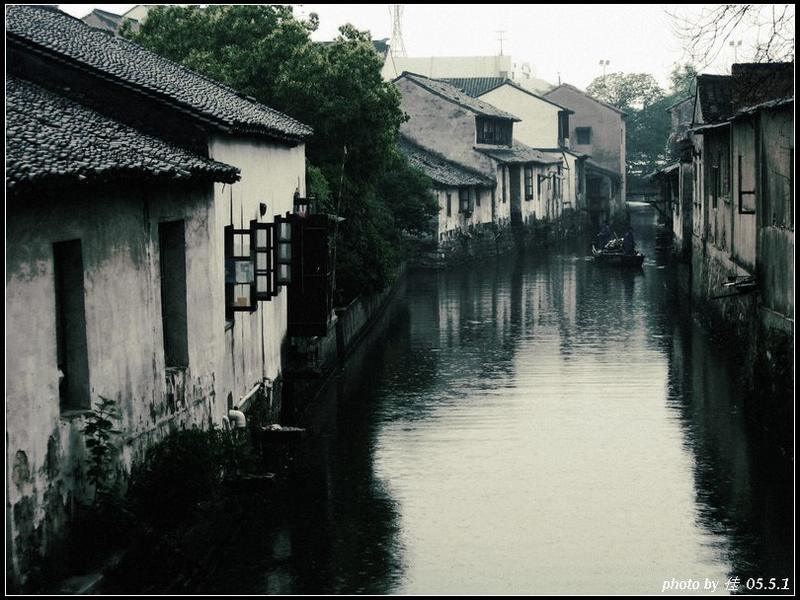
(607, 146)
(539, 125)
(502, 195)
(441, 125)
(270, 173)
(118, 230)
(460, 222)
(447, 66)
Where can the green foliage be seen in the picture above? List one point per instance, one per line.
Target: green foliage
(626, 90)
(185, 468)
(682, 80)
(406, 192)
(648, 123)
(102, 445)
(336, 88)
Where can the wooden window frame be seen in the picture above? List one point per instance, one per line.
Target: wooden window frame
(231, 259)
(528, 176)
(265, 250)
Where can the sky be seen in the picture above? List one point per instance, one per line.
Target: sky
(563, 41)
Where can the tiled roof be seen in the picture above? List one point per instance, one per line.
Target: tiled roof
(714, 93)
(478, 86)
(593, 166)
(104, 20)
(769, 104)
(518, 153)
(65, 38)
(439, 169)
(51, 138)
(755, 83)
(558, 151)
(475, 86)
(567, 86)
(453, 94)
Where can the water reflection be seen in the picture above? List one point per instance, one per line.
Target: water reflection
(543, 425)
(535, 425)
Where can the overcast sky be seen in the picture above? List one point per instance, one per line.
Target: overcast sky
(564, 39)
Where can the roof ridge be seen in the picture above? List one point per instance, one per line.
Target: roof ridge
(473, 104)
(403, 138)
(37, 143)
(201, 95)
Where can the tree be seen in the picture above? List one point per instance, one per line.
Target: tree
(336, 88)
(683, 79)
(705, 35)
(647, 123)
(626, 91)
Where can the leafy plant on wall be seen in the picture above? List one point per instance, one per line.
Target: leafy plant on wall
(102, 444)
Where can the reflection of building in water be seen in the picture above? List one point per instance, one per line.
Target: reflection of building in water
(730, 189)
(743, 483)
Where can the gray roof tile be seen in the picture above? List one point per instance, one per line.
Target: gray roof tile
(517, 153)
(69, 39)
(439, 169)
(478, 86)
(51, 138)
(714, 92)
(453, 94)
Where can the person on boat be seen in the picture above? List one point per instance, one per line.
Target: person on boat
(628, 243)
(604, 236)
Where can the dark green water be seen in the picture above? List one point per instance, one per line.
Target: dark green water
(537, 425)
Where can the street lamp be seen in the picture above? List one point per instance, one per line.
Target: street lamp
(735, 45)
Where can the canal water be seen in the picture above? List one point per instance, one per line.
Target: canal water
(537, 424)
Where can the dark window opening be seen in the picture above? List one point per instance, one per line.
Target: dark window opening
(563, 128)
(715, 185)
(558, 177)
(528, 182)
(463, 201)
(583, 135)
(71, 349)
(172, 249)
(493, 131)
(449, 205)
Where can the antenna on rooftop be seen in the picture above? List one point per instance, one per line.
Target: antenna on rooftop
(396, 45)
(500, 39)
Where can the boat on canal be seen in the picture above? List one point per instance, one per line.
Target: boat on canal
(613, 255)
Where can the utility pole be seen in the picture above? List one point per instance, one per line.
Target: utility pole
(396, 45)
(500, 39)
(735, 45)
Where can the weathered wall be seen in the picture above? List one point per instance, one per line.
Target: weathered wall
(118, 229)
(539, 125)
(441, 125)
(545, 204)
(607, 146)
(743, 218)
(270, 174)
(775, 263)
(683, 209)
(574, 193)
(456, 221)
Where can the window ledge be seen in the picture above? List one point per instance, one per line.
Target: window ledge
(75, 413)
